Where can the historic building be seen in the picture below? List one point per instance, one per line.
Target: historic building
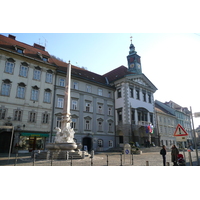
(92, 107)
(27, 76)
(106, 111)
(169, 115)
(134, 102)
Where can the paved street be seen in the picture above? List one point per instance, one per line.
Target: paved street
(152, 155)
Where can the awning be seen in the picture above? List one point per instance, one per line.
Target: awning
(35, 134)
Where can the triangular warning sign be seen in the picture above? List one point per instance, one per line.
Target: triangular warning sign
(180, 131)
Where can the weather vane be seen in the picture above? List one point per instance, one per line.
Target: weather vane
(131, 39)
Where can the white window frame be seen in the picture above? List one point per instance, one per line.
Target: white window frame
(73, 123)
(62, 82)
(110, 127)
(2, 112)
(110, 144)
(5, 89)
(9, 68)
(58, 121)
(49, 77)
(109, 111)
(17, 115)
(23, 71)
(100, 109)
(74, 104)
(47, 97)
(87, 107)
(100, 92)
(20, 92)
(34, 94)
(87, 124)
(32, 117)
(88, 88)
(75, 85)
(37, 74)
(60, 102)
(100, 126)
(45, 118)
(100, 142)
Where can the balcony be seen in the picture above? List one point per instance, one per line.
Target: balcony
(143, 123)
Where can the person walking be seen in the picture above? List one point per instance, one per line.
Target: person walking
(163, 152)
(174, 155)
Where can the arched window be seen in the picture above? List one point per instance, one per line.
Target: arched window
(100, 143)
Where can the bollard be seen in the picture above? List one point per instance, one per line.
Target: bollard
(67, 155)
(91, 161)
(83, 154)
(132, 159)
(48, 155)
(168, 164)
(34, 158)
(147, 163)
(16, 159)
(121, 159)
(92, 153)
(190, 158)
(107, 160)
(71, 160)
(52, 158)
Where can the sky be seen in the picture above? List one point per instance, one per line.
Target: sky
(170, 60)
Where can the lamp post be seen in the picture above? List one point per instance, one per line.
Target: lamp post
(195, 142)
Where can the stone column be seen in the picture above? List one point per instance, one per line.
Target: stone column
(136, 117)
(66, 108)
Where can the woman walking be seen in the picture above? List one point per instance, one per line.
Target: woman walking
(174, 155)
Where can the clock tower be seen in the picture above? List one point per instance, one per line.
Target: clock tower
(134, 64)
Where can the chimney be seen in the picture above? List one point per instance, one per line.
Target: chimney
(12, 36)
(39, 46)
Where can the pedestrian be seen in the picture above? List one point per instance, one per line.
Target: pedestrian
(174, 155)
(163, 152)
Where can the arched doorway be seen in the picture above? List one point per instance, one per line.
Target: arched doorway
(87, 141)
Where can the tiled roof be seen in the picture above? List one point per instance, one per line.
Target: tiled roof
(9, 43)
(117, 73)
(80, 72)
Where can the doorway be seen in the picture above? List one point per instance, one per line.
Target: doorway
(5, 138)
(87, 141)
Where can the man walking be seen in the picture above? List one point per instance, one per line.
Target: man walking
(163, 152)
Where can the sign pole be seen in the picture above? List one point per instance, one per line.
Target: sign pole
(195, 142)
(10, 144)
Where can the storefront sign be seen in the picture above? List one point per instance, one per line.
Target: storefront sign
(35, 134)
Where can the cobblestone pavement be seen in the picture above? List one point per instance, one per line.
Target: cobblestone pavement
(151, 155)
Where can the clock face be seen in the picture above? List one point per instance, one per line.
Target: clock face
(138, 66)
(132, 65)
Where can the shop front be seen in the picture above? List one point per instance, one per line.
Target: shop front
(32, 141)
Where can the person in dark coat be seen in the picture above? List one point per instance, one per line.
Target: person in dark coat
(174, 155)
(163, 152)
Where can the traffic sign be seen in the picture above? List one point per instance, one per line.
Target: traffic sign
(180, 131)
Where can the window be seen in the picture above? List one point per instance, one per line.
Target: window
(5, 89)
(23, 71)
(87, 109)
(138, 94)
(45, 59)
(131, 92)
(109, 111)
(73, 123)
(88, 88)
(100, 92)
(21, 91)
(100, 110)
(36, 74)
(9, 67)
(45, 118)
(74, 104)
(2, 112)
(47, 96)
(19, 50)
(60, 102)
(35, 93)
(119, 115)
(75, 85)
(100, 143)
(144, 96)
(121, 139)
(87, 125)
(58, 121)
(149, 98)
(62, 82)
(110, 143)
(32, 116)
(100, 127)
(110, 127)
(17, 115)
(109, 94)
(119, 93)
(49, 76)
